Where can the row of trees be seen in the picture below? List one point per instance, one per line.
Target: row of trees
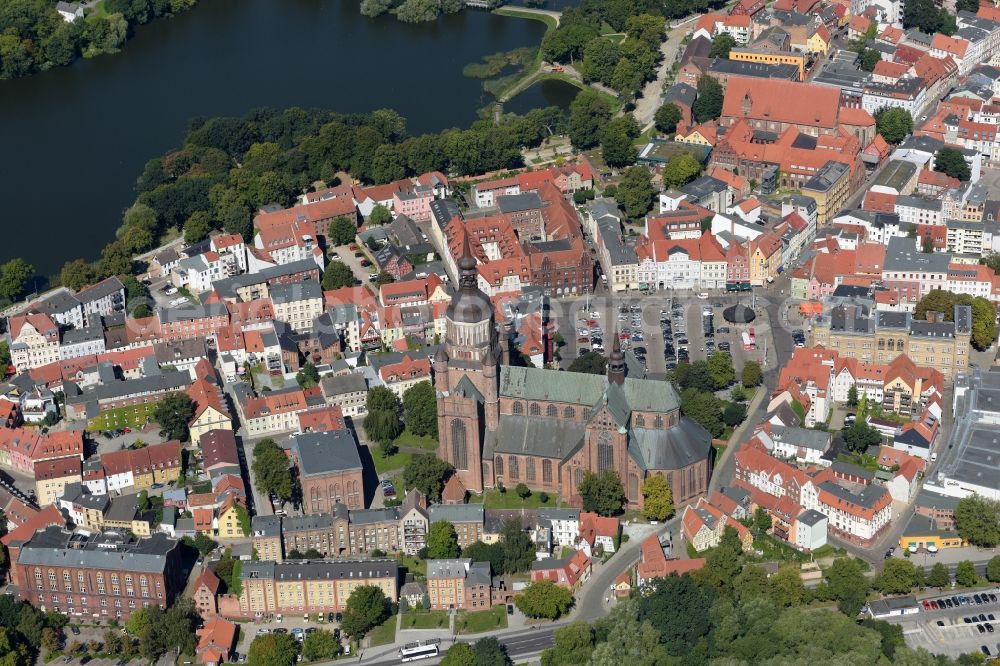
(229, 167)
(157, 631)
(412, 11)
(698, 382)
(622, 66)
(34, 37)
(900, 576)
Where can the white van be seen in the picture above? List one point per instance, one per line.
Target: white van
(703, 295)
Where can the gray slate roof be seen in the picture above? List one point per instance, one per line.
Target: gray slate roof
(325, 452)
(51, 547)
(674, 448)
(456, 513)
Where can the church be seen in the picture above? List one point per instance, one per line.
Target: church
(503, 424)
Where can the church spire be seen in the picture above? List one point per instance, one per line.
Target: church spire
(616, 362)
(467, 267)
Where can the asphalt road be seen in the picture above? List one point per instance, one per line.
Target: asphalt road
(519, 646)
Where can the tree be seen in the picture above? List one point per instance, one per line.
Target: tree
(51, 640)
(678, 608)
(599, 59)
(197, 227)
(544, 599)
(14, 277)
(380, 215)
(785, 587)
(667, 117)
(658, 499)
(940, 577)
(516, 548)
(420, 409)
(847, 585)
(761, 520)
(708, 105)
(203, 543)
(722, 44)
(588, 113)
(366, 608)
(704, 409)
(977, 520)
(852, 396)
(373, 8)
(951, 161)
(602, 493)
(381, 398)
(984, 327)
(337, 274)
(273, 650)
(427, 474)
(573, 646)
(442, 541)
(342, 231)
(869, 58)
(894, 124)
(459, 654)
(965, 574)
(173, 413)
(523, 491)
(860, 436)
(481, 552)
(308, 376)
(382, 426)
(489, 652)
(271, 470)
(896, 576)
(752, 375)
(320, 644)
(590, 363)
(993, 569)
(635, 192)
(617, 136)
(77, 274)
(680, 170)
(733, 414)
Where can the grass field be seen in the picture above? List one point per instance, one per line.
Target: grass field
(408, 439)
(480, 621)
(414, 565)
(398, 460)
(132, 416)
(384, 634)
(494, 499)
(425, 620)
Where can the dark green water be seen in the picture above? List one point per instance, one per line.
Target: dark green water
(73, 140)
(547, 92)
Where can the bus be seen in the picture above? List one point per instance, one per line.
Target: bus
(749, 340)
(419, 650)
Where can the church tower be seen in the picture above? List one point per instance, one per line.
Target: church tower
(467, 376)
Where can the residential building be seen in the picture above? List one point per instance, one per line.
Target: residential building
(297, 304)
(271, 589)
(459, 584)
(467, 519)
(568, 572)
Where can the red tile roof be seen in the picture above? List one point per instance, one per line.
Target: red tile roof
(816, 106)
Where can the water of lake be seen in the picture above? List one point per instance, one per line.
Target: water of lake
(73, 140)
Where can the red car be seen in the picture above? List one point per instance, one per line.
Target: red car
(126, 429)
(366, 263)
(926, 604)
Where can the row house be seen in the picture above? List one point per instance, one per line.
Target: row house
(459, 584)
(86, 307)
(568, 178)
(681, 264)
(703, 524)
(297, 304)
(653, 563)
(21, 449)
(310, 219)
(200, 321)
(141, 468)
(407, 373)
(276, 411)
(33, 340)
(232, 250)
(272, 589)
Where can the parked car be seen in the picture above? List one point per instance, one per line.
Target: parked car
(366, 263)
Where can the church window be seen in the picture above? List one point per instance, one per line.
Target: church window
(579, 477)
(512, 467)
(459, 450)
(633, 487)
(499, 465)
(568, 413)
(640, 421)
(552, 411)
(658, 422)
(529, 469)
(547, 471)
(605, 453)
(518, 407)
(536, 409)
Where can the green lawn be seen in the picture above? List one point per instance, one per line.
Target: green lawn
(384, 634)
(398, 460)
(494, 499)
(132, 416)
(414, 565)
(774, 549)
(425, 620)
(480, 621)
(549, 21)
(408, 439)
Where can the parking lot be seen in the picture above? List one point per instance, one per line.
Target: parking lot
(965, 626)
(661, 330)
